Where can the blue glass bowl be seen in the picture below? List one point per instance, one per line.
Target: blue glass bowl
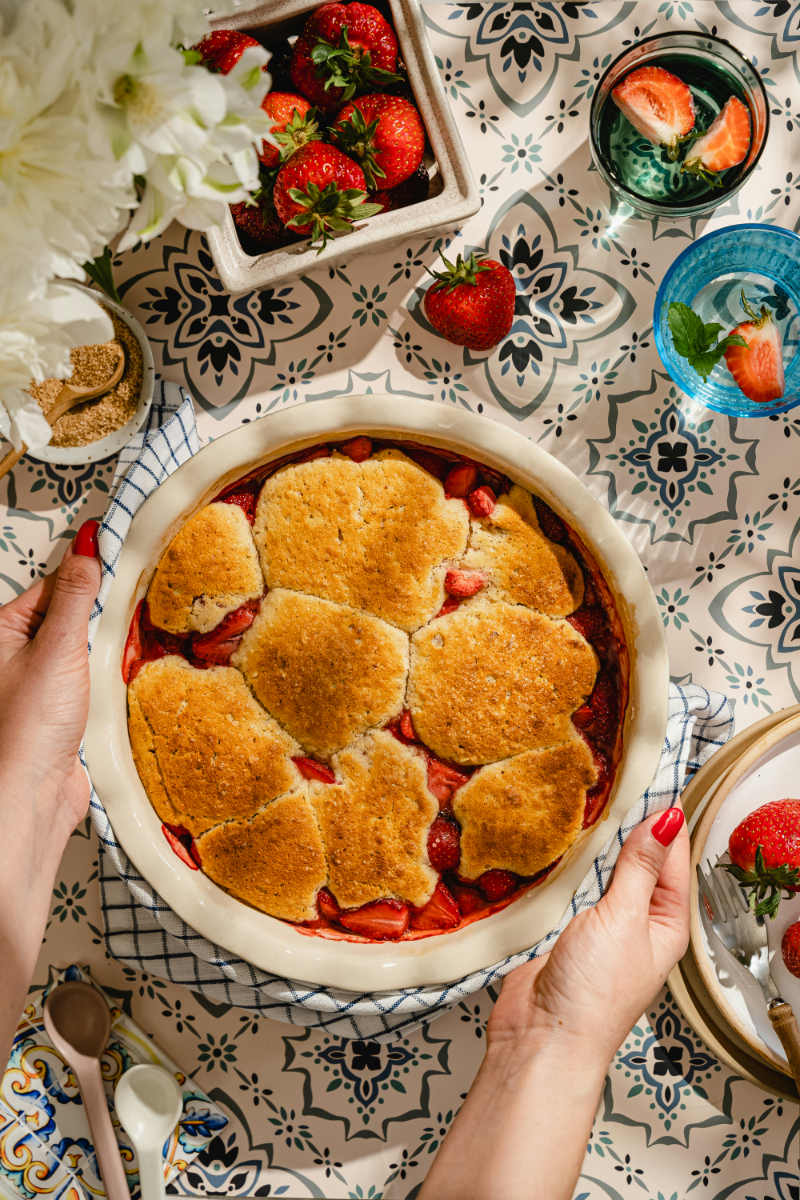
(709, 276)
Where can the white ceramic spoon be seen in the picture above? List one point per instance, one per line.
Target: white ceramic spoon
(149, 1103)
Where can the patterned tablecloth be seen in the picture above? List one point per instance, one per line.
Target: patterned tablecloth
(712, 505)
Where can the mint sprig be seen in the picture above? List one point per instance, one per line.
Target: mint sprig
(697, 342)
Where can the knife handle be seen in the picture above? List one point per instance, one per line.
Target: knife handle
(785, 1025)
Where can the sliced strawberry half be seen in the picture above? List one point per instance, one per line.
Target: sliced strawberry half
(244, 500)
(464, 583)
(327, 906)
(724, 144)
(407, 726)
(658, 105)
(461, 480)
(382, 921)
(441, 911)
(450, 605)
(309, 768)
(468, 899)
(444, 844)
(232, 626)
(758, 366)
(177, 836)
(358, 448)
(482, 502)
(444, 780)
(599, 714)
(496, 885)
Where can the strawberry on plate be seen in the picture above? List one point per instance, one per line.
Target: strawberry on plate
(790, 949)
(764, 850)
(343, 49)
(384, 134)
(471, 303)
(320, 190)
(724, 144)
(295, 126)
(757, 366)
(658, 105)
(382, 920)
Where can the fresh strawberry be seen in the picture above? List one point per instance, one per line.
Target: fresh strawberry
(178, 844)
(471, 304)
(444, 780)
(382, 921)
(385, 135)
(790, 949)
(294, 126)
(407, 726)
(450, 605)
(320, 190)
(221, 50)
(765, 854)
(327, 906)
(757, 367)
(724, 144)
(461, 480)
(257, 220)
(232, 626)
(309, 768)
(441, 911)
(464, 583)
(444, 844)
(658, 105)
(482, 502)
(551, 526)
(358, 448)
(468, 899)
(413, 191)
(343, 49)
(496, 885)
(244, 500)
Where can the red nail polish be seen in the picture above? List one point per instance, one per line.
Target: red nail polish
(86, 539)
(666, 827)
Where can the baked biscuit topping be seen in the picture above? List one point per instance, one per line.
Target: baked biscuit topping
(209, 569)
(374, 534)
(326, 672)
(414, 726)
(492, 679)
(205, 750)
(523, 813)
(276, 861)
(375, 821)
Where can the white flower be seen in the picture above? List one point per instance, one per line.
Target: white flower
(36, 335)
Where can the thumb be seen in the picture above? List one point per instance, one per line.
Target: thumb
(642, 858)
(76, 586)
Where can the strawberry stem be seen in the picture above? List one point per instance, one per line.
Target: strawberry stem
(298, 132)
(343, 67)
(329, 210)
(458, 273)
(354, 136)
(766, 883)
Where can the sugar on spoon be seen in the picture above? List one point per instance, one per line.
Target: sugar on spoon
(78, 1023)
(149, 1103)
(66, 399)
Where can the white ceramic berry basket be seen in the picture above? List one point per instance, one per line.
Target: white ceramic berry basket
(453, 194)
(264, 941)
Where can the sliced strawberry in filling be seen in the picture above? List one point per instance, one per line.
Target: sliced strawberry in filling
(599, 714)
(468, 899)
(444, 780)
(450, 605)
(482, 502)
(496, 885)
(309, 768)
(591, 623)
(407, 726)
(327, 906)
(464, 583)
(230, 628)
(244, 500)
(551, 526)
(438, 467)
(461, 480)
(441, 911)
(597, 795)
(444, 844)
(182, 844)
(382, 920)
(358, 448)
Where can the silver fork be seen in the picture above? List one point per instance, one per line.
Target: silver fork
(744, 935)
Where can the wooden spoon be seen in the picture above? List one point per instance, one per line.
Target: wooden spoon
(78, 1023)
(67, 398)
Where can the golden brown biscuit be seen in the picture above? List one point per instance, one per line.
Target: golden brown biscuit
(523, 566)
(209, 569)
(525, 812)
(204, 749)
(375, 535)
(492, 679)
(326, 672)
(375, 823)
(275, 862)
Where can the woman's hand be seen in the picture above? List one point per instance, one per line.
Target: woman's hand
(44, 793)
(522, 1132)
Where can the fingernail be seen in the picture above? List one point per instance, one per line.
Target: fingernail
(86, 539)
(666, 827)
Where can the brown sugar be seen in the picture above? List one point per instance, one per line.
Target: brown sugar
(95, 419)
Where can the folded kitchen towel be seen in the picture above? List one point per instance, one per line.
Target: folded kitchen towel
(142, 930)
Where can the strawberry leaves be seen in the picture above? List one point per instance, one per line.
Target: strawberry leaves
(766, 883)
(696, 341)
(347, 68)
(329, 210)
(355, 137)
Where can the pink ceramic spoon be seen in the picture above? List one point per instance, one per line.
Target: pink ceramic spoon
(78, 1024)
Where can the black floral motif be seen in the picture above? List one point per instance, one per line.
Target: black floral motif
(772, 608)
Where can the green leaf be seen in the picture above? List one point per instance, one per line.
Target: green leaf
(99, 270)
(686, 328)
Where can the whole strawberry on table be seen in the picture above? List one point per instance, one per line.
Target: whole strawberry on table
(344, 149)
(472, 303)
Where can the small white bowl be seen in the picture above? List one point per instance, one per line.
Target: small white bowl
(76, 456)
(273, 945)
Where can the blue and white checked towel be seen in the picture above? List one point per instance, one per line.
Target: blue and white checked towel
(141, 930)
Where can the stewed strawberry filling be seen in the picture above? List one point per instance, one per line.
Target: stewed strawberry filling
(455, 901)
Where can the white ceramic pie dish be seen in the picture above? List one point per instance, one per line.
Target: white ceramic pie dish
(266, 942)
